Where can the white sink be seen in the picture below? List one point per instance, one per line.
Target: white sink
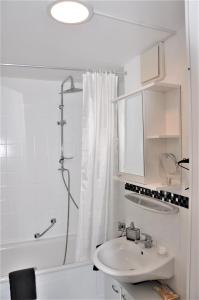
(129, 262)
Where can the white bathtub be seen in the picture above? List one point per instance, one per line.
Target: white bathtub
(40, 254)
(54, 281)
(77, 281)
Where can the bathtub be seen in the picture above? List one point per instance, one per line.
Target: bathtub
(40, 254)
(54, 281)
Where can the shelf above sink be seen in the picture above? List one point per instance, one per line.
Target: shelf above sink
(152, 204)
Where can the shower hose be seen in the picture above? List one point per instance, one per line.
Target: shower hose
(70, 197)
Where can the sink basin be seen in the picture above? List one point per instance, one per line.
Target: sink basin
(127, 261)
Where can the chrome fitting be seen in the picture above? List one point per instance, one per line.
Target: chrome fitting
(62, 123)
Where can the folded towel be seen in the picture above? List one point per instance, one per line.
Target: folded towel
(22, 284)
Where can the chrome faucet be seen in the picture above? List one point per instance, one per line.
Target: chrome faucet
(133, 234)
(148, 241)
(121, 227)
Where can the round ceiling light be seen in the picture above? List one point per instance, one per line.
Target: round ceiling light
(71, 12)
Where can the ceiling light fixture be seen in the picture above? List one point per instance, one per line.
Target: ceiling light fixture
(71, 12)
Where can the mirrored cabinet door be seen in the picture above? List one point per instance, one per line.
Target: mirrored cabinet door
(131, 135)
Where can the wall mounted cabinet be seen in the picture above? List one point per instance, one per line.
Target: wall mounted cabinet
(149, 134)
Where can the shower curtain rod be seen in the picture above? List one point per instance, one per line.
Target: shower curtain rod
(56, 68)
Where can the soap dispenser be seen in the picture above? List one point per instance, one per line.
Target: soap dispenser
(132, 233)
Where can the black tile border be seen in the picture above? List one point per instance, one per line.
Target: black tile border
(164, 196)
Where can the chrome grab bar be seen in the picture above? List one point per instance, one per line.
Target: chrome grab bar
(38, 235)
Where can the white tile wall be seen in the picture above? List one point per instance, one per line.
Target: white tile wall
(32, 191)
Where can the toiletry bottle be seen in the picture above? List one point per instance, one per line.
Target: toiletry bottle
(132, 233)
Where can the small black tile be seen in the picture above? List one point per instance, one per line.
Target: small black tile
(175, 199)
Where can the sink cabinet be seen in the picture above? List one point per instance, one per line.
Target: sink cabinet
(115, 290)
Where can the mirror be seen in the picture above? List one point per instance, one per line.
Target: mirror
(131, 135)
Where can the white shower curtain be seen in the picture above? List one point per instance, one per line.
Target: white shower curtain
(96, 168)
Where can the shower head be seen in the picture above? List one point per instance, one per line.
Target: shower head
(72, 88)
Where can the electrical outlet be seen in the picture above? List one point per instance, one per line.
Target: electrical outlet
(121, 226)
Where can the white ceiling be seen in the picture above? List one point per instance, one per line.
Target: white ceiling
(31, 36)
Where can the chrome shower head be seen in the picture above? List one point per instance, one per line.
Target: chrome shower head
(72, 88)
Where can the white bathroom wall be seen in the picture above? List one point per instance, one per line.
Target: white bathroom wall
(32, 191)
(192, 19)
(170, 231)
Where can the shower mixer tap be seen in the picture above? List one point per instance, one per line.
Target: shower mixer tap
(61, 160)
(62, 123)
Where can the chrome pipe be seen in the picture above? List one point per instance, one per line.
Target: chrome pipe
(62, 159)
(62, 122)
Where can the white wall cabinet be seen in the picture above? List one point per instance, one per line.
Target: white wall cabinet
(149, 130)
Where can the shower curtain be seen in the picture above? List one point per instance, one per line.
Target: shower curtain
(96, 168)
